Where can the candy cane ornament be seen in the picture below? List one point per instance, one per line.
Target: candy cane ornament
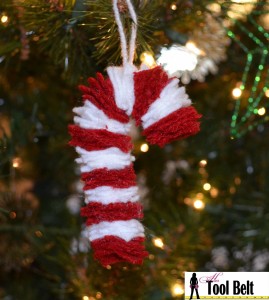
(101, 138)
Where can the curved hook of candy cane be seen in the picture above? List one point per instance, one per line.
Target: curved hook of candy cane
(124, 50)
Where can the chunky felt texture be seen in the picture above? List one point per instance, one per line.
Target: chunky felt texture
(178, 125)
(101, 94)
(96, 212)
(111, 249)
(122, 178)
(148, 87)
(100, 137)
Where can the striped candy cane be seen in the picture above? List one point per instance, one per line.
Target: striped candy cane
(101, 138)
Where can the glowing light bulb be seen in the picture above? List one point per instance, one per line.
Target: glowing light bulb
(261, 111)
(267, 93)
(198, 204)
(188, 201)
(151, 256)
(16, 162)
(236, 92)
(207, 186)
(147, 59)
(214, 192)
(12, 215)
(158, 242)
(237, 180)
(232, 189)
(173, 6)
(177, 289)
(4, 18)
(203, 163)
(144, 147)
(85, 298)
(98, 295)
(199, 196)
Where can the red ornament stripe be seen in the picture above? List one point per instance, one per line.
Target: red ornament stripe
(122, 178)
(177, 125)
(97, 212)
(112, 249)
(98, 139)
(148, 87)
(114, 232)
(101, 94)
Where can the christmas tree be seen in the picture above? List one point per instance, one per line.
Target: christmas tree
(204, 198)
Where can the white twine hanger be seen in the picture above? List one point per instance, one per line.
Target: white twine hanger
(126, 57)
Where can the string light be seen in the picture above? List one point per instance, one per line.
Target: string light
(188, 201)
(144, 147)
(158, 242)
(237, 180)
(198, 204)
(38, 233)
(148, 59)
(236, 92)
(98, 295)
(207, 186)
(12, 215)
(177, 289)
(267, 93)
(253, 72)
(214, 192)
(4, 18)
(202, 171)
(173, 6)
(199, 196)
(261, 111)
(151, 257)
(88, 298)
(203, 163)
(16, 162)
(232, 189)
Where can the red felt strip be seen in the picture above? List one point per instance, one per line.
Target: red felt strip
(178, 125)
(122, 178)
(98, 139)
(112, 249)
(148, 86)
(97, 212)
(101, 94)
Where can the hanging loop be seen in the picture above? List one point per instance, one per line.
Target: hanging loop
(127, 56)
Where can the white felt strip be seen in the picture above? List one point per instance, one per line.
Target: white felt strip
(91, 117)
(107, 195)
(122, 79)
(171, 99)
(110, 158)
(127, 230)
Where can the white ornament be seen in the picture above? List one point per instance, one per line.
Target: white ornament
(177, 59)
(73, 204)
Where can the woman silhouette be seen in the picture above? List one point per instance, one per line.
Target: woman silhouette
(194, 285)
